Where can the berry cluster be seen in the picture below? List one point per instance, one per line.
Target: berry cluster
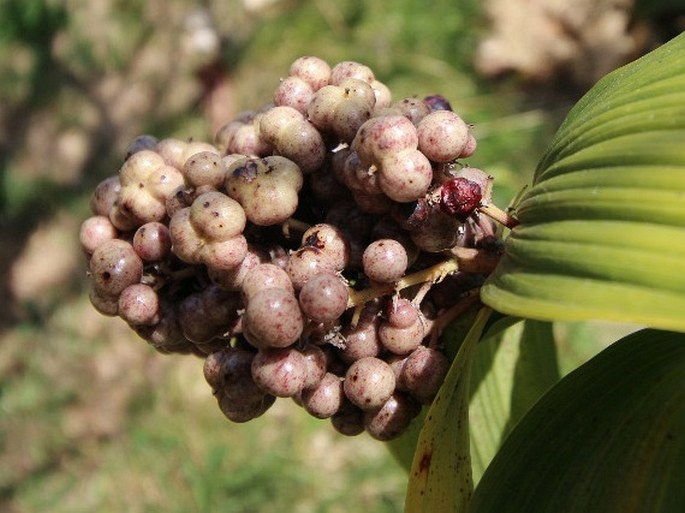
(315, 251)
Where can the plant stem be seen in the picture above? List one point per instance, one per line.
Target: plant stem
(440, 323)
(292, 224)
(498, 215)
(433, 274)
(473, 260)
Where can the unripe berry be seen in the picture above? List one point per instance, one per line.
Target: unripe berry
(369, 382)
(152, 241)
(405, 176)
(280, 372)
(265, 276)
(383, 136)
(273, 319)
(266, 188)
(293, 137)
(326, 398)
(294, 92)
(385, 261)
(392, 418)
(351, 69)
(423, 373)
(114, 266)
(442, 135)
(105, 195)
(331, 241)
(313, 70)
(139, 304)
(324, 297)
(204, 168)
(95, 231)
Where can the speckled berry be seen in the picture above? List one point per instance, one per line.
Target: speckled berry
(369, 382)
(280, 372)
(273, 318)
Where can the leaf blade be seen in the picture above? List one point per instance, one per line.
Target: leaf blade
(602, 228)
(511, 371)
(440, 478)
(608, 437)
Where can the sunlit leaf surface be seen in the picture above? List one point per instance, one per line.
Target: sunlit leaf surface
(608, 437)
(440, 477)
(602, 228)
(511, 370)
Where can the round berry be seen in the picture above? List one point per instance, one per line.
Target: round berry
(204, 168)
(217, 216)
(401, 313)
(316, 361)
(313, 70)
(401, 341)
(442, 135)
(423, 373)
(152, 241)
(265, 276)
(105, 196)
(369, 382)
(229, 372)
(385, 261)
(437, 102)
(95, 231)
(383, 136)
(294, 92)
(142, 142)
(392, 418)
(349, 421)
(139, 304)
(324, 297)
(405, 176)
(351, 69)
(103, 303)
(331, 241)
(114, 266)
(273, 318)
(280, 372)
(325, 399)
(306, 262)
(240, 410)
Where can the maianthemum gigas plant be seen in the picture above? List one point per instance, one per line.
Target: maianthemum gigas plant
(340, 248)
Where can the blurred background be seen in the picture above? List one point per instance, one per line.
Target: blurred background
(91, 418)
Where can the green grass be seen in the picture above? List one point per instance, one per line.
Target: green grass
(113, 426)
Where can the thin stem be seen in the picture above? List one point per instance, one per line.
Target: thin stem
(498, 215)
(294, 225)
(421, 293)
(433, 274)
(471, 260)
(446, 317)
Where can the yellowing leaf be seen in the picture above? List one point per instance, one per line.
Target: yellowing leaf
(440, 476)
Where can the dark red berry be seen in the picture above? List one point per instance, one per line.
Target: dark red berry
(459, 197)
(437, 102)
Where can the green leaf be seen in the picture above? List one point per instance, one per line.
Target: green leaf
(513, 365)
(440, 477)
(602, 228)
(608, 437)
(510, 372)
